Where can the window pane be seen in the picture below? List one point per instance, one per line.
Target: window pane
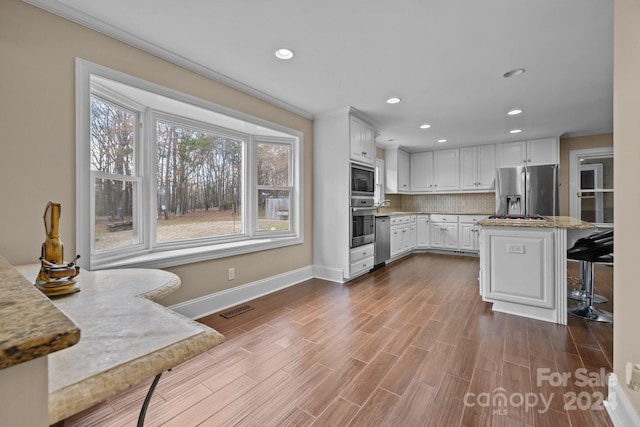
(596, 207)
(113, 134)
(114, 227)
(273, 210)
(273, 164)
(199, 183)
(596, 172)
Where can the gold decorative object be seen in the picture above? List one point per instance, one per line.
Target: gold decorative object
(55, 277)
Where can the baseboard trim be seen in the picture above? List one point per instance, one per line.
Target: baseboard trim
(208, 304)
(328, 273)
(618, 406)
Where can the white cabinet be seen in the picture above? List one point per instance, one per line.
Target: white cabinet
(422, 231)
(444, 232)
(422, 171)
(361, 141)
(468, 233)
(403, 234)
(506, 254)
(445, 170)
(397, 170)
(534, 152)
(361, 259)
(435, 171)
(477, 167)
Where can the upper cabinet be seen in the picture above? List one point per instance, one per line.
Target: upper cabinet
(435, 171)
(422, 171)
(397, 170)
(528, 153)
(477, 167)
(362, 141)
(445, 170)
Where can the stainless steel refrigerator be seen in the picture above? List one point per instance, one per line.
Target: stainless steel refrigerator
(527, 190)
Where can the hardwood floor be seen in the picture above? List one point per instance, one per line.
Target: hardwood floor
(411, 344)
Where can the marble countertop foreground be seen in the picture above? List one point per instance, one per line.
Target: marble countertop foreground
(550, 222)
(126, 337)
(31, 326)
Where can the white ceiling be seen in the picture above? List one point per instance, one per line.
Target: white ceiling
(444, 58)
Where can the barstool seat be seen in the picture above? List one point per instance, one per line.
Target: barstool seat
(582, 250)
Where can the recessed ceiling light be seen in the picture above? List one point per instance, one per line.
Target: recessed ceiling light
(513, 73)
(391, 140)
(442, 140)
(393, 100)
(425, 126)
(515, 112)
(284, 53)
(515, 131)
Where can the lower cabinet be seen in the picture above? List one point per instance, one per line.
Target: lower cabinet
(423, 231)
(444, 232)
(403, 234)
(361, 259)
(468, 233)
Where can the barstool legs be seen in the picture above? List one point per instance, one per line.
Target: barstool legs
(586, 310)
(581, 293)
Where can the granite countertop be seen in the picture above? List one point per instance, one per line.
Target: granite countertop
(430, 213)
(126, 336)
(31, 324)
(550, 222)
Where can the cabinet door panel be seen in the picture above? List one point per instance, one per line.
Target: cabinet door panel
(436, 235)
(486, 167)
(445, 170)
(422, 171)
(422, 238)
(450, 234)
(512, 154)
(542, 151)
(467, 237)
(468, 168)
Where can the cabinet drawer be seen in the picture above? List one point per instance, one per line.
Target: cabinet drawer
(361, 252)
(364, 264)
(471, 218)
(444, 218)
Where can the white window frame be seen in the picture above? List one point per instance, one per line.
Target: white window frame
(379, 181)
(148, 253)
(574, 178)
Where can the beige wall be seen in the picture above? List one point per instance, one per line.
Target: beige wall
(577, 143)
(626, 154)
(37, 118)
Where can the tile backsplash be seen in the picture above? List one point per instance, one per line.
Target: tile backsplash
(475, 203)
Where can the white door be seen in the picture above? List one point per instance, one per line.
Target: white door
(467, 237)
(422, 238)
(445, 170)
(422, 171)
(512, 154)
(486, 167)
(469, 168)
(437, 235)
(542, 151)
(450, 233)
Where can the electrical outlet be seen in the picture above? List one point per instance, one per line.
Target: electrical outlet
(232, 273)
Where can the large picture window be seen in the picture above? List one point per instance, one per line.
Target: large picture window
(164, 178)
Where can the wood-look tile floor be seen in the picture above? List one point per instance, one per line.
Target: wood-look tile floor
(411, 344)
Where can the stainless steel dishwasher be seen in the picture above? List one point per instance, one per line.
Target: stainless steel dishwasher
(382, 240)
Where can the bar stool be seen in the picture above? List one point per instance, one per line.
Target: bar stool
(581, 293)
(600, 253)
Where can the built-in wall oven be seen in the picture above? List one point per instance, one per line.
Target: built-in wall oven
(363, 222)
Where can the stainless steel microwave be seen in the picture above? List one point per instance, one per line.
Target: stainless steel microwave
(363, 182)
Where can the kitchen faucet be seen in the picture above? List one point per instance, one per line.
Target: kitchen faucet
(380, 203)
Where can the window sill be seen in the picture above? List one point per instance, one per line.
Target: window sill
(175, 257)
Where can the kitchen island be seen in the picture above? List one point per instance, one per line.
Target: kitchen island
(523, 264)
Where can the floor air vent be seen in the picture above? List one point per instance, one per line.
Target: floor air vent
(236, 311)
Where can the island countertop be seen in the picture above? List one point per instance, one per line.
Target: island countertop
(565, 222)
(126, 336)
(31, 324)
